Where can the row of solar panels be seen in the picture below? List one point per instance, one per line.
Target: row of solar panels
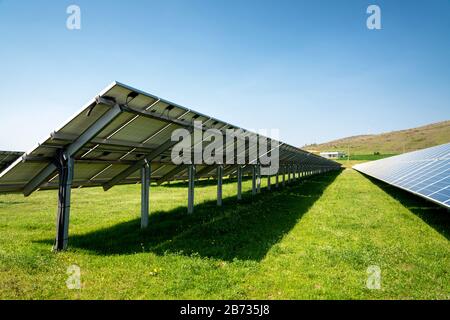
(425, 172)
(143, 126)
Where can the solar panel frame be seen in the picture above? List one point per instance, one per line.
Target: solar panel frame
(122, 142)
(124, 136)
(425, 173)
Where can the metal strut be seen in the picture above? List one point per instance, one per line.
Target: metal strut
(191, 174)
(64, 166)
(145, 194)
(239, 182)
(219, 184)
(254, 173)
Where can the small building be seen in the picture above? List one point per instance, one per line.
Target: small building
(333, 154)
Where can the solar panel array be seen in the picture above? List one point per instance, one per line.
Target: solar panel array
(425, 172)
(142, 127)
(8, 157)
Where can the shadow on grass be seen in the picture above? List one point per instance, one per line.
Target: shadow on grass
(11, 202)
(434, 215)
(243, 230)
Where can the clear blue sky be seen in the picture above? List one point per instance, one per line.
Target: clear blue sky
(310, 68)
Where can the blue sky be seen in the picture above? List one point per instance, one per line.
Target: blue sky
(310, 68)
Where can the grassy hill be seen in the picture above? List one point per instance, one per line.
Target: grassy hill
(394, 142)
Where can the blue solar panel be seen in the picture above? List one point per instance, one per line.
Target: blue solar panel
(425, 172)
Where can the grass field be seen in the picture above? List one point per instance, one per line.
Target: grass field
(369, 157)
(313, 239)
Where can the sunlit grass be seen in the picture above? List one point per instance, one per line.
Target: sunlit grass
(312, 239)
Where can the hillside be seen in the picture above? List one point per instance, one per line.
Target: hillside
(391, 142)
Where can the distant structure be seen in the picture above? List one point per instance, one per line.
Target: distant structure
(332, 154)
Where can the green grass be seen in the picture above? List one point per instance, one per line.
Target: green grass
(369, 157)
(314, 239)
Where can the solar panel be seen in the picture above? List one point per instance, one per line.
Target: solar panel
(142, 125)
(425, 173)
(8, 157)
(124, 135)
